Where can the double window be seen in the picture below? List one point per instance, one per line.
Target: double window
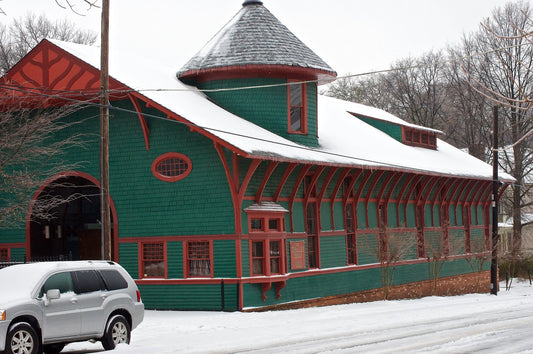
(266, 257)
(267, 242)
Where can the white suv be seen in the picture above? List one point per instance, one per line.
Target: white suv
(44, 306)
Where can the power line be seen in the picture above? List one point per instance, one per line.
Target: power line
(297, 146)
(63, 94)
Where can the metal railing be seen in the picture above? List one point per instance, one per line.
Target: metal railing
(23, 259)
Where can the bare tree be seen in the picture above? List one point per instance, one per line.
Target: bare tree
(504, 74)
(389, 248)
(418, 94)
(468, 113)
(23, 34)
(437, 253)
(412, 89)
(29, 154)
(478, 258)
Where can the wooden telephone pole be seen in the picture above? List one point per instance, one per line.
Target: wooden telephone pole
(104, 133)
(495, 187)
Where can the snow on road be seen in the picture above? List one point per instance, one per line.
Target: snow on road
(459, 324)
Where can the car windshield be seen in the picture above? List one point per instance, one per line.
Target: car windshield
(19, 280)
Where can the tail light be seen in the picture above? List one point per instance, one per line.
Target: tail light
(138, 296)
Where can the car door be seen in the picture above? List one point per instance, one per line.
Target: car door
(91, 297)
(61, 316)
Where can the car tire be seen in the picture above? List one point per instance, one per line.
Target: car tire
(22, 338)
(54, 348)
(117, 331)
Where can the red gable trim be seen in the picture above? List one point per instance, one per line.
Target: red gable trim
(50, 74)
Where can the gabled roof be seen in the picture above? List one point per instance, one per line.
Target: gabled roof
(343, 139)
(46, 71)
(254, 37)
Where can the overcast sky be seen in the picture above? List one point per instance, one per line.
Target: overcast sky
(352, 36)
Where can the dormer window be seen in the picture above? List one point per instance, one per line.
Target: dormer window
(297, 109)
(421, 138)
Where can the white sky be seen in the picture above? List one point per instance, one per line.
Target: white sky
(350, 35)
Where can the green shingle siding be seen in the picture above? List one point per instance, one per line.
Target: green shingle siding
(265, 106)
(393, 130)
(128, 258)
(332, 251)
(189, 297)
(245, 256)
(175, 259)
(18, 254)
(225, 259)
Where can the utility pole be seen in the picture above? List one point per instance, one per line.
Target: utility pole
(104, 133)
(495, 187)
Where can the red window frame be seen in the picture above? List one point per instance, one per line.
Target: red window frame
(266, 222)
(351, 240)
(294, 104)
(312, 227)
(177, 171)
(198, 251)
(4, 255)
(153, 252)
(257, 257)
(264, 238)
(420, 138)
(266, 258)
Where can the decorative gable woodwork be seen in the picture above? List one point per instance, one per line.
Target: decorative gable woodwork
(49, 74)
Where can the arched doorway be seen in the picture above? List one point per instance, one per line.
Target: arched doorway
(72, 230)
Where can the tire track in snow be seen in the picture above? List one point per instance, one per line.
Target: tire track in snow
(488, 332)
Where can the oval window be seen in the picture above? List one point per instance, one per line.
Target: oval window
(171, 167)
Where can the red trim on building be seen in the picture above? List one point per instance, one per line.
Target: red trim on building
(142, 120)
(283, 180)
(171, 167)
(143, 259)
(303, 172)
(186, 258)
(271, 167)
(302, 106)
(261, 70)
(333, 196)
(48, 72)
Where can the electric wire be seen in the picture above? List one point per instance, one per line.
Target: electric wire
(63, 94)
(209, 129)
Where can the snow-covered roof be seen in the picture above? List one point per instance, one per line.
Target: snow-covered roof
(254, 36)
(266, 206)
(379, 114)
(344, 140)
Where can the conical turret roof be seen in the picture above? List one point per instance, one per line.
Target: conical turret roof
(254, 39)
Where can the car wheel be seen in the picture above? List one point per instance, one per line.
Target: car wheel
(117, 331)
(54, 348)
(22, 339)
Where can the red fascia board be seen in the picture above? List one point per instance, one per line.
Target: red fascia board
(259, 70)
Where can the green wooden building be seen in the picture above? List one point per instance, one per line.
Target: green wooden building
(235, 185)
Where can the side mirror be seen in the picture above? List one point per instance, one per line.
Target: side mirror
(52, 294)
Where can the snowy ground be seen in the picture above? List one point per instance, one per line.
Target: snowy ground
(459, 324)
